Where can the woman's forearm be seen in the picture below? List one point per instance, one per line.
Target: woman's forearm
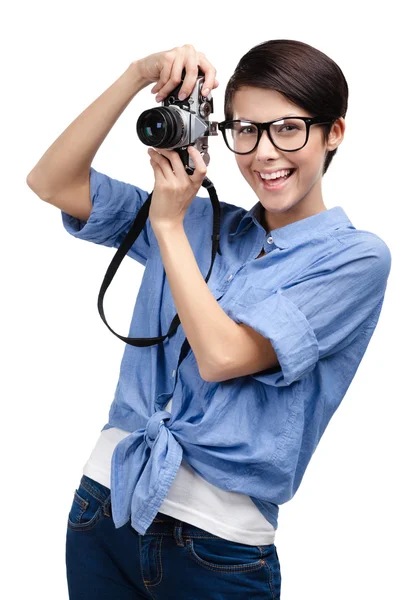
(209, 330)
(69, 158)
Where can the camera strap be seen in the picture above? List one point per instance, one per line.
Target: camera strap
(125, 246)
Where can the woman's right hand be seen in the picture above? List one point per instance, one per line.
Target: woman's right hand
(166, 69)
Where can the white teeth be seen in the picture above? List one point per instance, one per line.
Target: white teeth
(276, 175)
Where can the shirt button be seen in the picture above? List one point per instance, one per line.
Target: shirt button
(230, 277)
(270, 240)
(173, 373)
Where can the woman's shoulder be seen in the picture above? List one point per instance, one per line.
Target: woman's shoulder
(361, 240)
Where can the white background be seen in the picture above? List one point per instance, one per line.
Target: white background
(346, 533)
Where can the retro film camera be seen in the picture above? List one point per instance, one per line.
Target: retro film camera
(178, 124)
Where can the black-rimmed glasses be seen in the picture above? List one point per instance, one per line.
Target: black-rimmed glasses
(288, 134)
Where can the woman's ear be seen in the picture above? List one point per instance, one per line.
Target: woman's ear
(336, 134)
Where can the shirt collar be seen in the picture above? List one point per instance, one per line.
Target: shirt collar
(293, 233)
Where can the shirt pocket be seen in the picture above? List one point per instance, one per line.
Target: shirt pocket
(253, 294)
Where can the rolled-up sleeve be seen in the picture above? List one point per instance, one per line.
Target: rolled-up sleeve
(115, 205)
(321, 311)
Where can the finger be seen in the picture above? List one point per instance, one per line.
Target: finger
(204, 88)
(175, 77)
(175, 160)
(162, 161)
(206, 91)
(176, 68)
(158, 85)
(163, 79)
(200, 165)
(192, 73)
(210, 73)
(158, 173)
(187, 59)
(158, 167)
(169, 161)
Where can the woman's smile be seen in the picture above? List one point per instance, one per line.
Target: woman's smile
(275, 184)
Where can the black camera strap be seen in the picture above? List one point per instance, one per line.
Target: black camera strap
(125, 246)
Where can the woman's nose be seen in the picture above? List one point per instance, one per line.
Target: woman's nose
(265, 149)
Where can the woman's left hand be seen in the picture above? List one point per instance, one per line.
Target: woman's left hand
(174, 189)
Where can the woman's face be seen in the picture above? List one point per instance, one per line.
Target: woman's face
(301, 194)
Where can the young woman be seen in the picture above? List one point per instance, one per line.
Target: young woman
(180, 499)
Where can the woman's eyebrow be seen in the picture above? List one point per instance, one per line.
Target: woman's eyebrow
(275, 119)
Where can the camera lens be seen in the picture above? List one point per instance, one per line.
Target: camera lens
(160, 127)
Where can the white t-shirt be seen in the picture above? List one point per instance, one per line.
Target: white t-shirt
(192, 499)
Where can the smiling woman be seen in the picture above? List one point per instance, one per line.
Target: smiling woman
(202, 447)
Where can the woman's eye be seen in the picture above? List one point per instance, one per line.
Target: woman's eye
(245, 130)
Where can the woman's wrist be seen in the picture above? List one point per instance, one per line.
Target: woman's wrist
(135, 73)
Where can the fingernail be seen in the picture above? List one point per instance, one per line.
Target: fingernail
(159, 98)
(205, 91)
(181, 96)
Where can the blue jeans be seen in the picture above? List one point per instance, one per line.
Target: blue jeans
(172, 561)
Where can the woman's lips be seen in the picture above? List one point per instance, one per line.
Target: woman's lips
(275, 184)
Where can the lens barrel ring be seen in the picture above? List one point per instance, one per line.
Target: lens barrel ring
(160, 127)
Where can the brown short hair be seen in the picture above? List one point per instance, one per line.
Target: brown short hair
(304, 75)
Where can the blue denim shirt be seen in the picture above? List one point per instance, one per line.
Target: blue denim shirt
(317, 295)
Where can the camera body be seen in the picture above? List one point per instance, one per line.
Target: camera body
(178, 124)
